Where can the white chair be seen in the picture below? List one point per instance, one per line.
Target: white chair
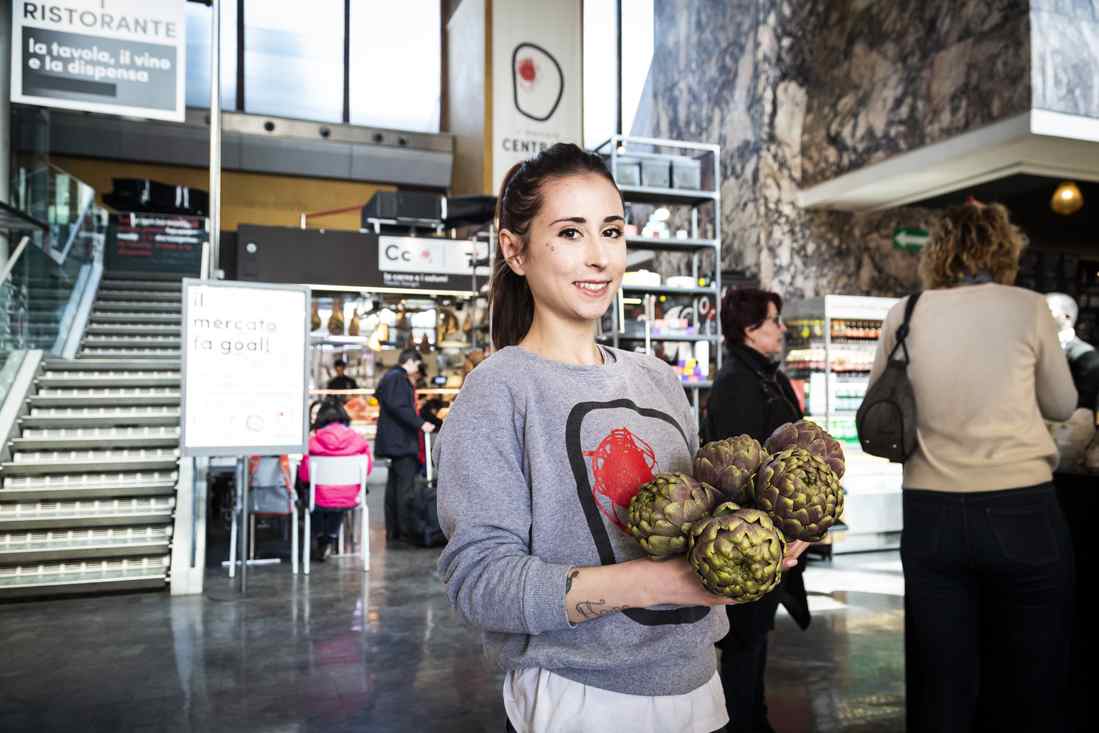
(240, 512)
(337, 471)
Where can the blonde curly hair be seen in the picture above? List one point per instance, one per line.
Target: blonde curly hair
(971, 240)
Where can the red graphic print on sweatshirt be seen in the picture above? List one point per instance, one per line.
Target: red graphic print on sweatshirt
(619, 465)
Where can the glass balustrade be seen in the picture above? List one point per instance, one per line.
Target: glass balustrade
(54, 237)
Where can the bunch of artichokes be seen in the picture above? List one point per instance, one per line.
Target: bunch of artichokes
(801, 493)
(738, 553)
(811, 437)
(744, 503)
(730, 465)
(663, 511)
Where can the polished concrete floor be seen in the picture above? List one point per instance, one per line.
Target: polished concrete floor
(330, 652)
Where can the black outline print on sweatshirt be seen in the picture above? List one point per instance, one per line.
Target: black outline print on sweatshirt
(515, 82)
(644, 616)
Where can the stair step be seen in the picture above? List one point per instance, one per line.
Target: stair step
(106, 397)
(121, 378)
(92, 492)
(135, 329)
(84, 576)
(91, 438)
(90, 513)
(106, 317)
(110, 353)
(44, 314)
(167, 286)
(130, 306)
(89, 417)
(138, 275)
(144, 341)
(68, 544)
(110, 485)
(79, 365)
(39, 462)
(135, 296)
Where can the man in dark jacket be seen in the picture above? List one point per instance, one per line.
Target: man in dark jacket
(398, 437)
(751, 396)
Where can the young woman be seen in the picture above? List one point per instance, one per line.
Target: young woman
(538, 460)
(332, 436)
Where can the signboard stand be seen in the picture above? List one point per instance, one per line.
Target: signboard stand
(245, 379)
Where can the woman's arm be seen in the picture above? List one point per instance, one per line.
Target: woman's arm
(593, 592)
(1053, 378)
(484, 505)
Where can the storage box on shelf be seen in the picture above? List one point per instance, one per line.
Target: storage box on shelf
(831, 342)
(676, 319)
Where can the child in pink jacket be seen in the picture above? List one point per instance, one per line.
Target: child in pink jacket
(332, 436)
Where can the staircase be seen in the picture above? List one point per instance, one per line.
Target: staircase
(87, 499)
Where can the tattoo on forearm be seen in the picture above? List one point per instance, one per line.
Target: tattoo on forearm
(595, 609)
(573, 574)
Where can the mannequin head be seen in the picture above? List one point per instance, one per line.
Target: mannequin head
(1064, 309)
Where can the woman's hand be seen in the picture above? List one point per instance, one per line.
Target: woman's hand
(793, 552)
(592, 592)
(674, 582)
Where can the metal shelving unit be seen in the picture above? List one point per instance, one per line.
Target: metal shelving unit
(622, 151)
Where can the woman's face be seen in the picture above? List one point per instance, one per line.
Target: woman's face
(768, 337)
(575, 253)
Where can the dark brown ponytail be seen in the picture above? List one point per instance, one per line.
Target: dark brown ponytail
(519, 202)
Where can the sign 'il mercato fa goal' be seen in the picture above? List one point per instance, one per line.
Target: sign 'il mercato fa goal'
(245, 375)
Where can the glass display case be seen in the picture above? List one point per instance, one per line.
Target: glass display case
(831, 342)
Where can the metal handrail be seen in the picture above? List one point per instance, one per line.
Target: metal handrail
(10, 264)
(60, 256)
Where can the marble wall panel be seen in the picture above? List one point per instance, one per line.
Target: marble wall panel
(886, 77)
(1065, 56)
(797, 92)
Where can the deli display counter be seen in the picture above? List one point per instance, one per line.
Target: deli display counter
(831, 342)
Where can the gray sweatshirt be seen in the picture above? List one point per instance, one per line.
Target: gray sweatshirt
(537, 463)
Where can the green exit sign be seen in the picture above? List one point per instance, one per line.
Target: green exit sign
(909, 239)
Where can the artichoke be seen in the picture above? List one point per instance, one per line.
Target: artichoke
(811, 437)
(738, 553)
(801, 493)
(664, 510)
(729, 466)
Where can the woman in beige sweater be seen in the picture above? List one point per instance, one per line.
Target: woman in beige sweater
(987, 560)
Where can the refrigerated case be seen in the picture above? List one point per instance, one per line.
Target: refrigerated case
(831, 343)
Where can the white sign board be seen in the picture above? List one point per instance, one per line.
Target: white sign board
(123, 57)
(417, 254)
(245, 352)
(536, 81)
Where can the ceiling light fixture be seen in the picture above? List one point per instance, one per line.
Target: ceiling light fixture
(1067, 199)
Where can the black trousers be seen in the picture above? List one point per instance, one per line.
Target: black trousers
(327, 523)
(988, 593)
(744, 663)
(402, 476)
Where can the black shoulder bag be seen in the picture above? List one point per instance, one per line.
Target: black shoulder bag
(886, 420)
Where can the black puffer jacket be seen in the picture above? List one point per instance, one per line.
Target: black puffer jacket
(751, 396)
